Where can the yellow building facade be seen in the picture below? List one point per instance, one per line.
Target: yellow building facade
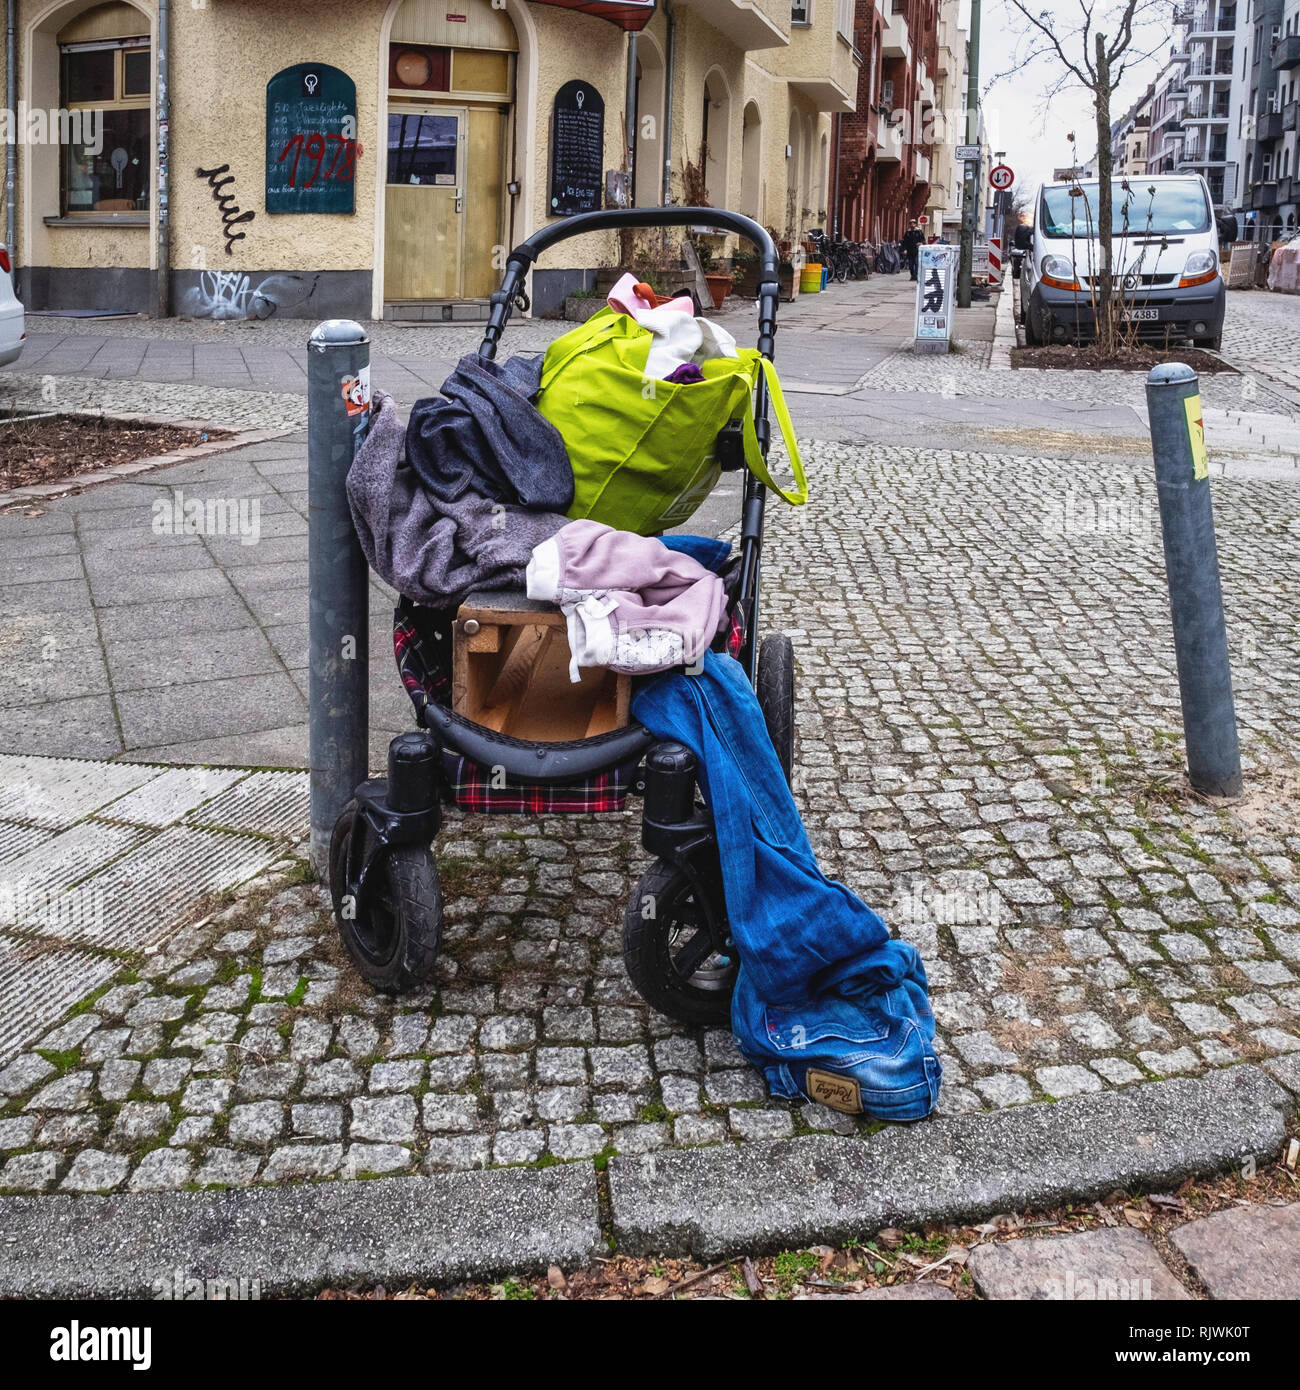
(359, 158)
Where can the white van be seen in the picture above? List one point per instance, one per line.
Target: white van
(1164, 253)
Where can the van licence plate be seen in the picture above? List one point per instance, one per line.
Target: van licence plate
(1140, 315)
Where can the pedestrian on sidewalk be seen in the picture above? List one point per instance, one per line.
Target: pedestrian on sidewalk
(912, 239)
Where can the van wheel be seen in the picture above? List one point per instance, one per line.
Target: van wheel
(1032, 338)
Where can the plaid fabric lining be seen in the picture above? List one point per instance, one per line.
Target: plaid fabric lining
(473, 790)
(422, 646)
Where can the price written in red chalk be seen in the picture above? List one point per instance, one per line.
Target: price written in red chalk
(1002, 176)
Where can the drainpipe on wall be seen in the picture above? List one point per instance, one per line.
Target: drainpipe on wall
(669, 58)
(835, 179)
(163, 274)
(629, 127)
(11, 105)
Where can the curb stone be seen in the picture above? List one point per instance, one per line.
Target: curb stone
(763, 1197)
(449, 1228)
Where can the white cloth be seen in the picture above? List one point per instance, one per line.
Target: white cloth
(679, 337)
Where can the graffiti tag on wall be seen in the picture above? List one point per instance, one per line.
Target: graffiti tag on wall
(228, 294)
(231, 216)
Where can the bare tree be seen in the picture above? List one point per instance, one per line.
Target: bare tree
(1094, 49)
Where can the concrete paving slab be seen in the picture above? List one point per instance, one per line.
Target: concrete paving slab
(211, 709)
(189, 659)
(394, 1231)
(1096, 1265)
(82, 727)
(266, 803)
(58, 792)
(1252, 1252)
(176, 794)
(63, 860)
(16, 840)
(790, 1192)
(39, 981)
(139, 902)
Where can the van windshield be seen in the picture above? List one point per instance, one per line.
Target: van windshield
(1070, 210)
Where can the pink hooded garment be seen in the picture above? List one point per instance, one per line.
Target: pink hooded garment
(632, 604)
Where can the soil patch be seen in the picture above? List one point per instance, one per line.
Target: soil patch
(1069, 358)
(47, 449)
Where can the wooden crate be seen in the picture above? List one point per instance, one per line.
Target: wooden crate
(510, 673)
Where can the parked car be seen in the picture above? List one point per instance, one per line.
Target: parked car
(1164, 254)
(13, 322)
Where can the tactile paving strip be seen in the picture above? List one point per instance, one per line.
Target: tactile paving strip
(267, 803)
(38, 982)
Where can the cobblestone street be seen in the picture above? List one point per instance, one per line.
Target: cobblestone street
(989, 753)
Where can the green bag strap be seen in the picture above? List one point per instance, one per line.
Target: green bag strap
(754, 455)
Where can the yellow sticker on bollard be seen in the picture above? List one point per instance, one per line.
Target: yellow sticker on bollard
(1196, 429)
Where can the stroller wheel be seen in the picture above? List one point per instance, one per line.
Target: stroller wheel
(392, 932)
(668, 947)
(775, 689)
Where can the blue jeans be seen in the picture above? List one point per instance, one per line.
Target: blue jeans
(827, 1004)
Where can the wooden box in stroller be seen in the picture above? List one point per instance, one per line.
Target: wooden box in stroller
(510, 672)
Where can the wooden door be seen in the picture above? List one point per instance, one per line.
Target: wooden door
(424, 205)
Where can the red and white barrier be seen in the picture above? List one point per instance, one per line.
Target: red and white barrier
(995, 260)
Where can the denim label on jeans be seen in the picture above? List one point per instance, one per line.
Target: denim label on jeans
(839, 1092)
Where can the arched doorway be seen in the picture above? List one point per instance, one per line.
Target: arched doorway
(751, 162)
(715, 137)
(647, 152)
(794, 147)
(450, 97)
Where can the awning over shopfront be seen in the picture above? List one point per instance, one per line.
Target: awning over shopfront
(632, 15)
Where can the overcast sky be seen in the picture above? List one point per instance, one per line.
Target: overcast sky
(1029, 128)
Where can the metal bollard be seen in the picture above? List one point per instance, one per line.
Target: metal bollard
(338, 405)
(1192, 571)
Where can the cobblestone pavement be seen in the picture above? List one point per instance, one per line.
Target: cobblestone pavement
(1261, 334)
(988, 752)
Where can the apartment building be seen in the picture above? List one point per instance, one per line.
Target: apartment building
(886, 145)
(1271, 198)
(371, 158)
(1130, 138)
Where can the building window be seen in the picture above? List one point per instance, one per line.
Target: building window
(800, 11)
(107, 157)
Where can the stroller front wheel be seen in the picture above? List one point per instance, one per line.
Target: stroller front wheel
(393, 929)
(775, 690)
(669, 947)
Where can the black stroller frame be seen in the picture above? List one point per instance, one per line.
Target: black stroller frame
(677, 943)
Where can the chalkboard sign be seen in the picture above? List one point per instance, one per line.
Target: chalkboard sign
(577, 149)
(311, 140)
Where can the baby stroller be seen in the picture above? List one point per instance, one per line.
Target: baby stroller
(384, 875)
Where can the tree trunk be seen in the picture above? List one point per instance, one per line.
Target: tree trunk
(1107, 335)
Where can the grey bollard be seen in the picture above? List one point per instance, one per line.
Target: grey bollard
(338, 394)
(1192, 570)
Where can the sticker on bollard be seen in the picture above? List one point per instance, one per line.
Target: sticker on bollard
(1196, 431)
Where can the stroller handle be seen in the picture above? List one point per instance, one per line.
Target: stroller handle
(523, 256)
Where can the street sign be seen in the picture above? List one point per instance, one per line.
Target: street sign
(1002, 176)
(967, 153)
(936, 266)
(924, 220)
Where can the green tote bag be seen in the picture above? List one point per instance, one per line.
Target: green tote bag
(643, 449)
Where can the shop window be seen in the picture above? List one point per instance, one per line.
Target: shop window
(107, 161)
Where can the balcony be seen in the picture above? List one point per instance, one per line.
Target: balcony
(820, 61)
(749, 24)
(1268, 126)
(923, 168)
(1209, 21)
(895, 42)
(1286, 52)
